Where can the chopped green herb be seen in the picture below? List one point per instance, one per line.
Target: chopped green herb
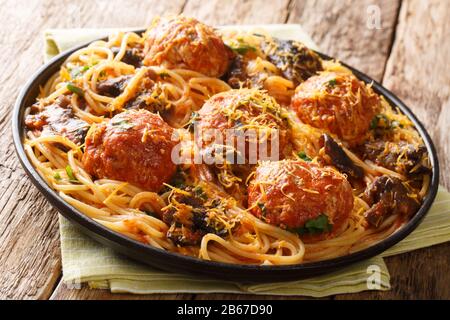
(178, 180)
(78, 71)
(380, 121)
(263, 208)
(243, 48)
(164, 75)
(70, 174)
(316, 226)
(123, 124)
(150, 213)
(215, 203)
(77, 90)
(332, 83)
(302, 155)
(57, 176)
(199, 193)
(396, 124)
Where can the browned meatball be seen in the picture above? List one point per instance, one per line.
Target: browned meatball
(300, 195)
(338, 103)
(134, 146)
(244, 111)
(182, 42)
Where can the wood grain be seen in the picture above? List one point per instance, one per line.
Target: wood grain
(417, 71)
(421, 274)
(219, 12)
(348, 30)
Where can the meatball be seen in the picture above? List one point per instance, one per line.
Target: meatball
(134, 146)
(300, 196)
(338, 103)
(182, 42)
(248, 112)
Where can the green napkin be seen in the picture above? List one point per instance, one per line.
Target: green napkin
(86, 261)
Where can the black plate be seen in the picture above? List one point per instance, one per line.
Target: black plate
(179, 263)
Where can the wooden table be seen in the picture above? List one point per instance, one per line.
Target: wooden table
(403, 44)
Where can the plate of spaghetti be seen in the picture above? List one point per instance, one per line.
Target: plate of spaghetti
(224, 153)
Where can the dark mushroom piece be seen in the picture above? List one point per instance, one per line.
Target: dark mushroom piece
(338, 158)
(57, 118)
(113, 87)
(295, 61)
(148, 96)
(132, 56)
(236, 75)
(402, 157)
(192, 216)
(387, 196)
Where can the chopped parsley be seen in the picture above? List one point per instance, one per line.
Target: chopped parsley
(178, 180)
(78, 71)
(70, 174)
(243, 48)
(381, 121)
(73, 88)
(332, 83)
(302, 155)
(57, 176)
(199, 193)
(164, 75)
(122, 124)
(396, 124)
(263, 208)
(316, 226)
(150, 213)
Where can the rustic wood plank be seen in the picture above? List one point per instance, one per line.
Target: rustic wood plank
(219, 12)
(29, 242)
(347, 29)
(419, 73)
(421, 274)
(418, 70)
